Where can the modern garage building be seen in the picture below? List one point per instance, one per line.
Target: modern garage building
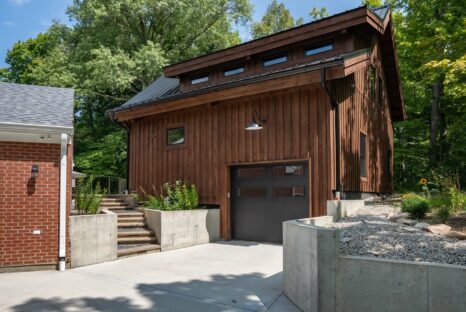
(272, 129)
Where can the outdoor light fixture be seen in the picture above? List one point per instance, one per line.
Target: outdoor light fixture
(256, 123)
(34, 171)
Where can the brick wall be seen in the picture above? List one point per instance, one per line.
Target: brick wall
(27, 205)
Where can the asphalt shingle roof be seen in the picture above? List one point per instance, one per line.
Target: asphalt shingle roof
(36, 105)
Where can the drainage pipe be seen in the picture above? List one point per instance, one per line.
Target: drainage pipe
(336, 108)
(63, 189)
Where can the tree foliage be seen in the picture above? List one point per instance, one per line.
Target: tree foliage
(113, 50)
(276, 18)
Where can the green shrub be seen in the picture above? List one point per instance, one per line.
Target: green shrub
(443, 212)
(416, 205)
(88, 195)
(175, 196)
(458, 199)
(441, 205)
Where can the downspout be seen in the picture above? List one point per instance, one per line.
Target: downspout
(336, 107)
(125, 126)
(63, 189)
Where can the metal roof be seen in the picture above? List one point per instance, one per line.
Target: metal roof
(36, 105)
(171, 91)
(160, 88)
(381, 11)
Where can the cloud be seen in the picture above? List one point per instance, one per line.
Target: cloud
(18, 2)
(8, 24)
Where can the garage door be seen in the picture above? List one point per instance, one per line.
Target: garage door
(265, 196)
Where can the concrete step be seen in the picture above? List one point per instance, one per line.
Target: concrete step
(114, 204)
(137, 240)
(136, 233)
(131, 224)
(130, 251)
(130, 214)
(130, 219)
(117, 207)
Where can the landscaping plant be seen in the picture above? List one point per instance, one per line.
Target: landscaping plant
(88, 195)
(175, 196)
(416, 205)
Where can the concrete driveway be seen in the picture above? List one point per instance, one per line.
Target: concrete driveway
(226, 276)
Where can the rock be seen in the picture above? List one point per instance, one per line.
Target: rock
(418, 259)
(439, 229)
(406, 221)
(422, 225)
(455, 234)
(395, 216)
(345, 239)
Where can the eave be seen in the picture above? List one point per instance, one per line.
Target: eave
(334, 23)
(301, 76)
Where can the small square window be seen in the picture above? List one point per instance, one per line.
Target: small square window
(275, 60)
(175, 136)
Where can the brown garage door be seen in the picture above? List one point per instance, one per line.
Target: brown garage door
(265, 196)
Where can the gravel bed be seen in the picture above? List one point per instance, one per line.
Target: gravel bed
(372, 234)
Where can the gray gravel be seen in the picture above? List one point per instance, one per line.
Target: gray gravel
(370, 233)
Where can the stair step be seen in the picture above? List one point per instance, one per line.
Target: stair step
(117, 207)
(138, 250)
(131, 224)
(130, 219)
(114, 204)
(136, 233)
(130, 214)
(137, 240)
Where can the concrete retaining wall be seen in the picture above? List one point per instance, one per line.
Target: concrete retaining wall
(93, 238)
(343, 208)
(184, 228)
(317, 278)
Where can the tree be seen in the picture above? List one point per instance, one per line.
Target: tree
(318, 13)
(276, 18)
(431, 47)
(113, 50)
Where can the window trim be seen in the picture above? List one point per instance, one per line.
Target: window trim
(318, 46)
(275, 57)
(174, 127)
(361, 165)
(195, 80)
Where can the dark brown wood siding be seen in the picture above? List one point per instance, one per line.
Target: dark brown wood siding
(361, 113)
(297, 128)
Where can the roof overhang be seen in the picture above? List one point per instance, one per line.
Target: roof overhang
(296, 77)
(15, 132)
(334, 23)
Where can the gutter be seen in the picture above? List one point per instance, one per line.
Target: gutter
(336, 107)
(20, 127)
(63, 201)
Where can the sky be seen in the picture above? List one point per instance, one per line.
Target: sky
(23, 19)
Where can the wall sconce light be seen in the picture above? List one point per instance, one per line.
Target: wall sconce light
(34, 171)
(256, 123)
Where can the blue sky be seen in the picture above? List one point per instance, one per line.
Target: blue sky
(22, 19)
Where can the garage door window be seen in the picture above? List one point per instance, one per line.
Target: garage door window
(288, 170)
(252, 172)
(252, 192)
(293, 191)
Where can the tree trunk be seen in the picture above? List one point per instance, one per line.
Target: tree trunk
(434, 118)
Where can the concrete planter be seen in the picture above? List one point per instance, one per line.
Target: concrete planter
(317, 278)
(184, 228)
(93, 238)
